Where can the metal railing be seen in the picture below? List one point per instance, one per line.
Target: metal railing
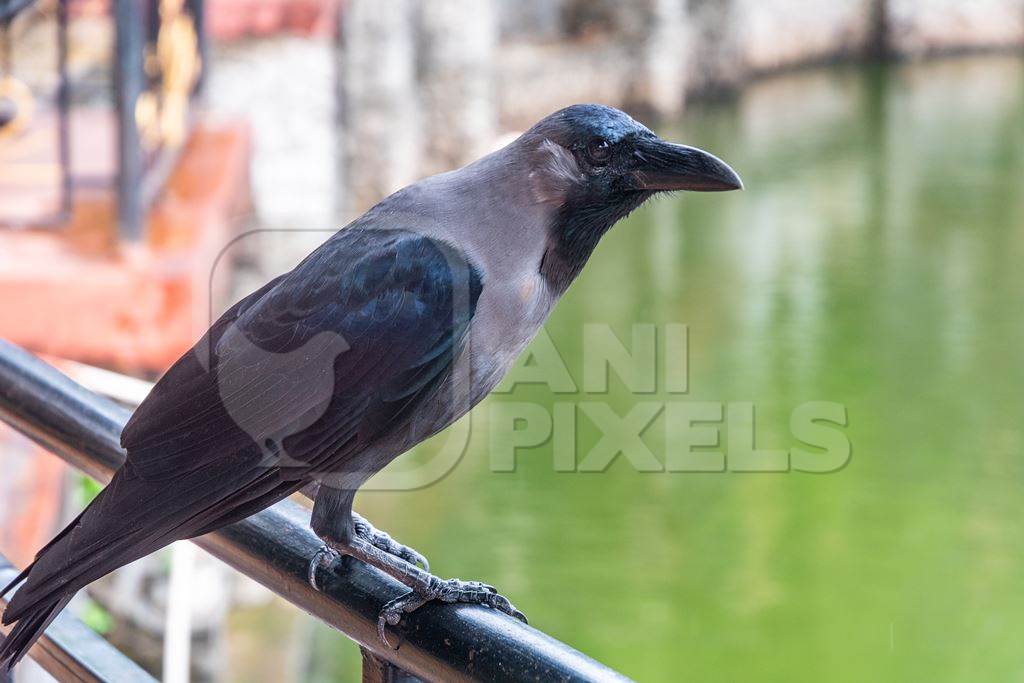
(274, 547)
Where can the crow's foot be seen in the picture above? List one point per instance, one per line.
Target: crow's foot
(380, 539)
(424, 586)
(326, 556)
(445, 590)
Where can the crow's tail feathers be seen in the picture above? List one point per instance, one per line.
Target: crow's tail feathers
(28, 629)
(32, 621)
(17, 579)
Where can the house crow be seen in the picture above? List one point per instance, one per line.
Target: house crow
(387, 333)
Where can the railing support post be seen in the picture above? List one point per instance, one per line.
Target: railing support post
(377, 670)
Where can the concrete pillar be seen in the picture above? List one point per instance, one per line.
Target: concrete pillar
(379, 121)
(658, 34)
(456, 81)
(877, 45)
(530, 19)
(715, 57)
(589, 17)
(654, 38)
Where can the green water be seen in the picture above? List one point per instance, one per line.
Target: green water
(873, 261)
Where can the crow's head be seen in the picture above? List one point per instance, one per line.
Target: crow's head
(595, 164)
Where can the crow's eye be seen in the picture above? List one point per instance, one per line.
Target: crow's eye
(599, 151)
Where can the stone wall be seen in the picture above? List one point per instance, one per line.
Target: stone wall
(923, 27)
(543, 78)
(651, 53)
(415, 88)
(732, 40)
(776, 34)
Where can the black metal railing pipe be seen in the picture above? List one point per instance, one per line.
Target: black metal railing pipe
(274, 547)
(71, 651)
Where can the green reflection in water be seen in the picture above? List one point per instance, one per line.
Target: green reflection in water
(874, 260)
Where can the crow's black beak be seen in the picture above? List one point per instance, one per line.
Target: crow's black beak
(667, 166)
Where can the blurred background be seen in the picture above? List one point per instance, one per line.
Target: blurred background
(161, 158)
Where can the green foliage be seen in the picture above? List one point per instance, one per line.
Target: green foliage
(96, 618)
(87, 490)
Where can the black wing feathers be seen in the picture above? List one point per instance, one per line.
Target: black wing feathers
(289, 383)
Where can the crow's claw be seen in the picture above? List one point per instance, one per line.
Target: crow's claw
(450, 590)
(324, 557)
(392, 613)
(383, 541)
(379, 550)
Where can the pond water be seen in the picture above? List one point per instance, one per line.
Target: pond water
(873, 262)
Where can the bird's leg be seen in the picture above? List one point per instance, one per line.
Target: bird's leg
(326, 556)
(333, 518)
(335, 524)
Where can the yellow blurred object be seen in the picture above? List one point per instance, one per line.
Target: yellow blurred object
(20, 95)
(161, 114)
